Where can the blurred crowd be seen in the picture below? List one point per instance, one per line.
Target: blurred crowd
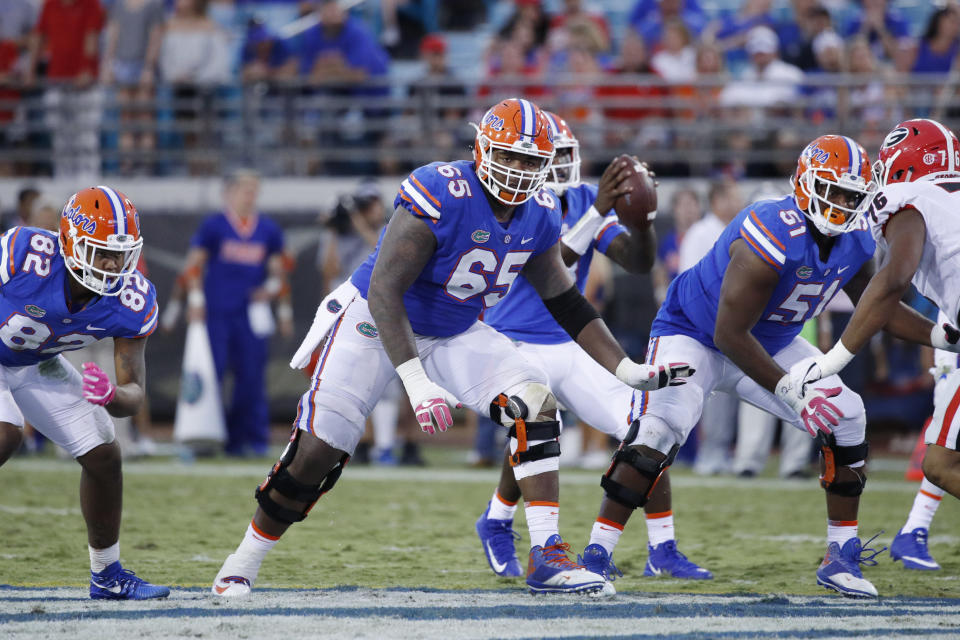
(123, 86)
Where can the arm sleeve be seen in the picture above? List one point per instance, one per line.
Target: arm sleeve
(610, 229)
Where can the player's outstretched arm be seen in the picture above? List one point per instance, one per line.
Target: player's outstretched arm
(634, 251)
(747, 287)
(405, 250)
(878, 299)
(582, 322)
(124, 399)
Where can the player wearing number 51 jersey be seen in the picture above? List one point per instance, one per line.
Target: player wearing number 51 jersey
(914, 218)
(63, 293)
(460, 234)
(736, 316)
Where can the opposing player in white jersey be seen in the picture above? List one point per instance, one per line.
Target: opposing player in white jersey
(59, 294)
(579, 383)
(460, 235)
(915, 219)
(736, 318)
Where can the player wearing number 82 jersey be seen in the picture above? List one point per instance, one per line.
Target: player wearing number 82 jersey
(59, 294)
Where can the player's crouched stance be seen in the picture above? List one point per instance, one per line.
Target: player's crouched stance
(60, 298)
(736, 316)
(460, 235)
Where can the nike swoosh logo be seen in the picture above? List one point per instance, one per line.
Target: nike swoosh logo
(220, 589)
(925, 563)
(114, 589)
(497, 566)
(654, 570)
(90, 327)
(607, 528)
(842, 269)
(525, 240)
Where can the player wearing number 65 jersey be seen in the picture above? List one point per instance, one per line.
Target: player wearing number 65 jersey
(736, 317)
(63, 293)
(460, 235)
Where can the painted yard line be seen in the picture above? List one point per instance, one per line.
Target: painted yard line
(468, 476)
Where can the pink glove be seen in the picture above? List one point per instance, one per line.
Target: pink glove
(434, 411)
(817, 409)
(97, 387)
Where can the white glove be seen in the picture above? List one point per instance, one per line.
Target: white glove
(650, 377)
(813, 406)
(430, 402)
(945, 336)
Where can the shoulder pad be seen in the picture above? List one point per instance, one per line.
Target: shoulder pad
(774, 231)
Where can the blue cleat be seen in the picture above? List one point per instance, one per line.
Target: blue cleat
(840, 569)
(496, 538)
(666, 560)
(911, 547)
(596, 559)
(551, 571)
(117, 583)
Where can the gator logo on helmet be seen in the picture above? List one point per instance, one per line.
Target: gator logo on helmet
(367, 329)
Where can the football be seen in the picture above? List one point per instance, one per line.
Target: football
(639, 207)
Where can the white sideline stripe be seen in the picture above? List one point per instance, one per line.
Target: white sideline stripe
(420, 200)
(760, 237)
(468, 476)
(43, 511)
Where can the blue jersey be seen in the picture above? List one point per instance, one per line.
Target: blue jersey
(34, 288)
(477, 259)
(522, 315)
(776, 230)
(238, 253)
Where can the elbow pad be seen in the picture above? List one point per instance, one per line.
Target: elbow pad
(571, 311)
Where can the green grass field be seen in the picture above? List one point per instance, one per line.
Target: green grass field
(385, 527)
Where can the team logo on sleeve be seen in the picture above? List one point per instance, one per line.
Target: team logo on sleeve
(35, 311)
(480, 236)
(334, 306)
(804, 272)
(367, 329)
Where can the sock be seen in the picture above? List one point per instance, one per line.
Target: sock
(606, 533)
(840, 531)
(256, 544)
(543, 521)
(659, 527)
(100, 559)
(924, 507)
(501, 509)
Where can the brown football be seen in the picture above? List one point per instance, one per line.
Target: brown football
(639, 207)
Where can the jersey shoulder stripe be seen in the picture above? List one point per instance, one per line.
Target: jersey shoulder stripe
(420, 201)
(763, 241)
(150, 321)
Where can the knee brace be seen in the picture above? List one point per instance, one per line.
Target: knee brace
(832, 456)
(646, 466)
(280, 480)
(514, 411)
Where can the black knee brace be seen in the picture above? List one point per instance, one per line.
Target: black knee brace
(645, 466)
(516, 410)
(832, 456)
(280, 480)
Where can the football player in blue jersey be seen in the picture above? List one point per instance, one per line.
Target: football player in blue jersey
(60, 293)
(461, 234)
(579, 383)
(736, 316)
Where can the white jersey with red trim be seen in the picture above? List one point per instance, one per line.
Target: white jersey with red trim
(937, 198)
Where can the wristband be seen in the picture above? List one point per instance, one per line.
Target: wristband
(272, 286)
(196, 299)
(284, 312)
(835, 360)
(580, 236)
(412, 376)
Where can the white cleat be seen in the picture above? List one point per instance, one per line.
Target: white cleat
(234, 580)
